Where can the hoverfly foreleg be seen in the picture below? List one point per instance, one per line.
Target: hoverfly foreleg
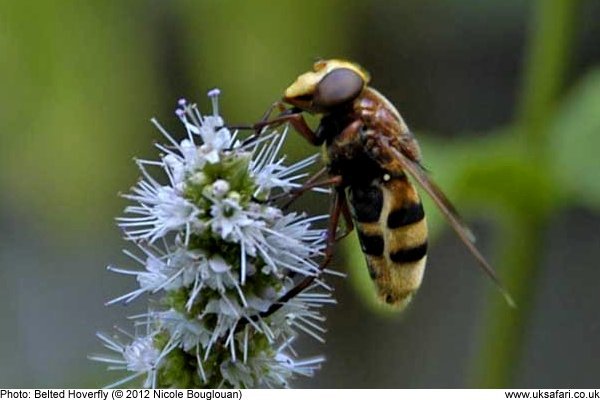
(295, 117)
(258, 127)
(265, 118)
(277, 104)
(290, 115)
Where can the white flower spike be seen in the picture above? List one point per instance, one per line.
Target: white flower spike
(219, 255)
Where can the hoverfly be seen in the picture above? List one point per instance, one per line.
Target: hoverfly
(370, 156)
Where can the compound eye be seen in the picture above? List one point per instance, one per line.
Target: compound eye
(337, 87)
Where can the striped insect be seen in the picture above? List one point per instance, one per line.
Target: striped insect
(370, 156)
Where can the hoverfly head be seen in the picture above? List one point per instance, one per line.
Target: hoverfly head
(331, 84)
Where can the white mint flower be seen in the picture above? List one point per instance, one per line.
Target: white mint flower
(140, 357)
(188, 332)
(161, 209)
(164, 270)
(219, 254)
(229, 219)
(214, 141)
(178, 166)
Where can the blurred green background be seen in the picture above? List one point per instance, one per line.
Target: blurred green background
(504, 96)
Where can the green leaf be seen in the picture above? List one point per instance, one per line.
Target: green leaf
(493, 174)
(575, 140)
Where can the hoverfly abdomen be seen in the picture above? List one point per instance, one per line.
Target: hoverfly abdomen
(393, 234)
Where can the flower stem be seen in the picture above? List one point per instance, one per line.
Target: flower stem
(546, 65)
(504, 327)
(501, 342)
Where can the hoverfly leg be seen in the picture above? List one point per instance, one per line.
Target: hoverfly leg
(308, 185)
(277, 104)
(339, 198)
(300, 125)
(264, 121)
(291, 115)
(258, 127)
(296, 119)
(348, 221)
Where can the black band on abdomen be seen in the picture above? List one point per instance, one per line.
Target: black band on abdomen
(409, 255)
(372, 245)
(367, 202)
(408, 214)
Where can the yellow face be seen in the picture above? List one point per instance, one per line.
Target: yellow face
(332, 82)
